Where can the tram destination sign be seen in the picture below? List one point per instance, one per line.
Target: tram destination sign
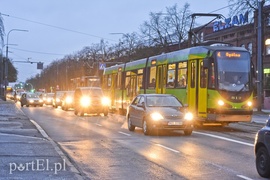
(230, 22)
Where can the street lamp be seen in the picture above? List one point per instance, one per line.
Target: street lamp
(6, 61)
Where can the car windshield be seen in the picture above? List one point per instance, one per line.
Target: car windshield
(50, 95)
(32, 95)
(93, 92)
(162, 101)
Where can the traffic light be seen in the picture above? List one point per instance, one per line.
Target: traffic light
(39, 65)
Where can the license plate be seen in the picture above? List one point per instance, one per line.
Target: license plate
(174, 123)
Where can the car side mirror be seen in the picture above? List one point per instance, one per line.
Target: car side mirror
(141, 105)
(267, 122)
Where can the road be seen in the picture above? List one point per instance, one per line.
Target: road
(103, 148)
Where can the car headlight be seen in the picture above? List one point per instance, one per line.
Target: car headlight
(85, 101)
(188, 116)
(40, 100)
(105, 101)
(156, 116)
(68, 100)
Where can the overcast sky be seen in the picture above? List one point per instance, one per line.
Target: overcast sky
(61, 27)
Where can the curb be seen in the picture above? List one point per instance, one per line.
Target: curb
(59, 151)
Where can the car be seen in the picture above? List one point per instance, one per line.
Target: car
(67, 100)
(90, 100)
(158, 111)
(57, 98)
(48, 98)
(30, 99)
(262, 150)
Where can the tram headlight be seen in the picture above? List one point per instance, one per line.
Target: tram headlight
(188, 116)
(221, 103)
(249, 104)
(85, 101)
(156, 116)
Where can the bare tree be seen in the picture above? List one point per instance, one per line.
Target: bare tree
(168, 28)
(178, 22)
(243, 6)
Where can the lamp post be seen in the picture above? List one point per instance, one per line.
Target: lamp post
(6, 62)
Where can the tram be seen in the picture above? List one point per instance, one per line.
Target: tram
(213, 81)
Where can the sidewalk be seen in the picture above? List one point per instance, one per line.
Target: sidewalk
(25, 153)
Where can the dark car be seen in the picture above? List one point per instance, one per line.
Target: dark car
(67, 100)
(158, 111)
(57, 98)
(90, 100)
(262, 150)
(30, 99)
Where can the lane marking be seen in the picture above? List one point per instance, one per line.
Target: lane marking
(124, 133)
(98, 124)
(244, 177)
(58, 150)
(226, 139)
(170, 149)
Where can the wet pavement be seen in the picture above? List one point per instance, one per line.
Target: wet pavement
(26, 152)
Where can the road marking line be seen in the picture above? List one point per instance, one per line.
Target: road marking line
(124, 133)
(58, 150)
(244, 177)
(98, 124)
(223, 138)
(165, 147)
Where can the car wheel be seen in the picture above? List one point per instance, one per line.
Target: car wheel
(188, 132)
(21, 104)
(130, 126)
(263, 162)
(146, 129)
(27, 105)
(106, 112)
(75, 112)
(81, 113)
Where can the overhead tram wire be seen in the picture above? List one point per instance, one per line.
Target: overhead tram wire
(57, 27)
(39, 52)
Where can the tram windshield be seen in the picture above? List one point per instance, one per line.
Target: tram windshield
(233, 71)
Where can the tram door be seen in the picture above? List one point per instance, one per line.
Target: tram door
(197, 88)
(133, 83)
(192, 86)
(202, 90)
(161, 79)
(112, 83)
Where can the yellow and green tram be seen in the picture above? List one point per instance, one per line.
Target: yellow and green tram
(202, 77)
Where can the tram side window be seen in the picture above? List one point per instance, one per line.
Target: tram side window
(152, 77)
(171, 76)
(109, 81)
(193, 74)
(140, 79)
(182, 75)
(119, 80)
(203, 74)
(211, 82)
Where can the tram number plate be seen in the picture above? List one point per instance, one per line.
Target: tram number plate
(174, 123)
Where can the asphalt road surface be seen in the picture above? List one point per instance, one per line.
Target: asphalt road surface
(103, 148)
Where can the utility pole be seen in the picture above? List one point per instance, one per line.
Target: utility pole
(259, 57)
